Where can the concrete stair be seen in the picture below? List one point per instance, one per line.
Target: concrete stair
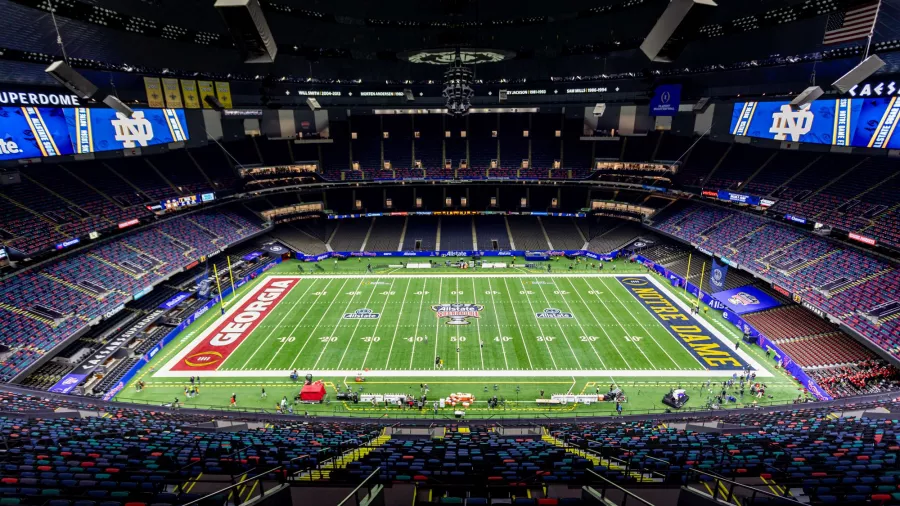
(340, 462)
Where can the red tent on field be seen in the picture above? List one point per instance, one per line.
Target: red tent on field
(313, 393)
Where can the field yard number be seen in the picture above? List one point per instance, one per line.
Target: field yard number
(545, 339)
(633, 339)
(595, 292)
(415, 339)
(371, 339)
(388, 293)
(502, 339)
(560, 292)
(526, 292)
(328, 339)
(491, 292)
(456, 292)
(288, 339)
(352, 293)
(319, 294)
(588, 339)
(422, 292)
(457, 339)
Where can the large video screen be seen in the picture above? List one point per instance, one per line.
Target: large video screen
(32, 132)
(858, 122)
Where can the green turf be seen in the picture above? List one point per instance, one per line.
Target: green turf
(610, 331)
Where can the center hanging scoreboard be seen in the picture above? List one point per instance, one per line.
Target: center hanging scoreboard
(33, 132)
(857, 122)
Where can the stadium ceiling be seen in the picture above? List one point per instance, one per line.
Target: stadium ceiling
(366, 40)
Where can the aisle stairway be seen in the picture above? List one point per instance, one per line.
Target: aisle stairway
(323, 472)
(598, 460)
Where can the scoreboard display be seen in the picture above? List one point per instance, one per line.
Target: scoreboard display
(857, 122)
(33, 132)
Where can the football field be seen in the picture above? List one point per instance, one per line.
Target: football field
(517, 334)
(485, 324)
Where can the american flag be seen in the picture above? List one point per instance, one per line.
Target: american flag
(850, 25)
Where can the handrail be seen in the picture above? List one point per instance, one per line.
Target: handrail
(253, 478)
(741, 485)
(623, 490)
(355, 490)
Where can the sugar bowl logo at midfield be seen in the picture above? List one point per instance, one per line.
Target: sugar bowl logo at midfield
(457, 313)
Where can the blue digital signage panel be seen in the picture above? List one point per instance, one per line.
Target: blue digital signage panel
(33, 132)
(857, 122)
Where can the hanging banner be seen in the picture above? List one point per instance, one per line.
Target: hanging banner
(154, 93)
(719, 272)
(223, 93)
(173, 94)
(206, 89)
(191, 96)
(666, 100)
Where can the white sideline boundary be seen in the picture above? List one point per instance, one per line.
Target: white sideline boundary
(166, 370)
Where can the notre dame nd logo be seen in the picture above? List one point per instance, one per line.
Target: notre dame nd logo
(136, 129)
(457, 313)
(792, 122)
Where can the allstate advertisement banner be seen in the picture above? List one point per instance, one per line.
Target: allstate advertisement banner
(32, 132)
(718, 275)
(178, 298)
(858, 122)
(746, 299)
(666, 100)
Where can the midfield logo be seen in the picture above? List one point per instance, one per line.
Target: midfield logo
(553, 313)
(362, 314)
(457, 313)
(792, 122)
(136, 129)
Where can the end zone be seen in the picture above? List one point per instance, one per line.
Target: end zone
(210, 350)
(712, 349)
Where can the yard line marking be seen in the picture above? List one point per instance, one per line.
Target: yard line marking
(478, 324)
(520, 326)
(581, 327)
(563, 332)
(458, 344)
(295, 326)
(597, 320)
(416, 334)
(635, 318)
(397, 326)
(618, 322)
(313, 331)
(355, 329)
(276, 327)
(375, 332)
(500, 329)
(437, 325)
